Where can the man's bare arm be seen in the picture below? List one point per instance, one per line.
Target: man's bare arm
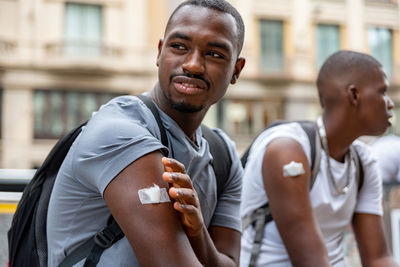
(153, 230)
(290, 204)
(368, 230)
(218, 246)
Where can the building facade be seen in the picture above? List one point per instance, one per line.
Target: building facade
(60, 60)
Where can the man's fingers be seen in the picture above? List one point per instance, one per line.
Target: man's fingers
(172, 165)
(191, 219)
(184, 196)
(185, 208)
(177, 179)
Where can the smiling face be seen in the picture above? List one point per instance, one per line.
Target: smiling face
(197, 59)
(375, 105)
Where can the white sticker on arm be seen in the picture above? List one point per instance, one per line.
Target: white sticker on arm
(293, 169)
(153, 195)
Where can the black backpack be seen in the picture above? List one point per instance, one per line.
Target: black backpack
(27, 238)
(262, 215)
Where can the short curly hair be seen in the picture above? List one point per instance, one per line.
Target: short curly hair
(221, 6)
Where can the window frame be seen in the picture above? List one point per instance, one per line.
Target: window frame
(48, 112)
(264, 69)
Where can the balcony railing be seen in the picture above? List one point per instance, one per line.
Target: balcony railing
(85, 48)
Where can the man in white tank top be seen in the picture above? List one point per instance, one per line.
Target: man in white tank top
(308, 226)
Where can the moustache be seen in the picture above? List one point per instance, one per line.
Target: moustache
(188, 75)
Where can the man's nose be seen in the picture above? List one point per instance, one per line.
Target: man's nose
(390, 103)
(194, 63)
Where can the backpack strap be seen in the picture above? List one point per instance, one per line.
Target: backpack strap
(313, 137)
(150, 104)
(93, 248)
(359, 167)
(221, 159)
(261, 216)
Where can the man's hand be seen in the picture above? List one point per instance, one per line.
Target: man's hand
(220, 246)
(185, 196)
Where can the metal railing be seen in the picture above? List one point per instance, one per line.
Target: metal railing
(15, 180)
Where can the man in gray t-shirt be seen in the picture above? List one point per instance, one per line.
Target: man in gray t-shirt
(119, 153)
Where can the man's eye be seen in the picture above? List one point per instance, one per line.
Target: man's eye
(178, 46)
(215, 54)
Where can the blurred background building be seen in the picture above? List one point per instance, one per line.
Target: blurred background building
(60, 60)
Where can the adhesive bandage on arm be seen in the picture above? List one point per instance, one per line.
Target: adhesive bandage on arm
(153, 195)
(293, 169)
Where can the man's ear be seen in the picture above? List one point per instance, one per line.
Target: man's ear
(239, 65)
(353, 94)
(160, 44)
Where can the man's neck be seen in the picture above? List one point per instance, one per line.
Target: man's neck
(188, 122)
(339, 136)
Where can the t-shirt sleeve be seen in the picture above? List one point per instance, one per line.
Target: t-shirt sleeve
(227, 211)
(107, 146)
(370, 195)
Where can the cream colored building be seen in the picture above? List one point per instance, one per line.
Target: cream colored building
(60, 60)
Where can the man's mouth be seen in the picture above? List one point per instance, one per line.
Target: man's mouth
(188, 85)
(390, 120)
(188, 88)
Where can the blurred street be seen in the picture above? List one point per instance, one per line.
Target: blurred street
(5, 222)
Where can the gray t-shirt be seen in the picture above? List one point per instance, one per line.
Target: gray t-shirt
(122, 131)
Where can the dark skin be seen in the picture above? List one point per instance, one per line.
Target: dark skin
(288, 216)
(192, 53)
(206, 244)
(364, 109)
(197, 60)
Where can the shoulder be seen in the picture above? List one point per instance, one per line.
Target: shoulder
(369, 199)
(121, 121)
(364, 152)
(291, 130)
(127, 108)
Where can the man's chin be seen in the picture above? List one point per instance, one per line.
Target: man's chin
(185, 107)
(382, 130)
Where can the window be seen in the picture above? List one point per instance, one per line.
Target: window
(57, 112)
(328, 42)
(272, 58)
(82, 29)
(246, 118)
(381, 46)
